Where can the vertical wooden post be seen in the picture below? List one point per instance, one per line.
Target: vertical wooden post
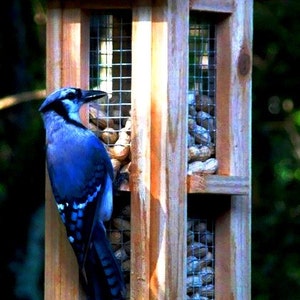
(67, 64)
(140, 145)
(168, 149)
(52, 242)
(223, 245)
(158, 176)
(233, 229)
(75, 51)
(240, 136)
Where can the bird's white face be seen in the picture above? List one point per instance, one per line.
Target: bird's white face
(71, 105)
(72, 108)
(71, 101)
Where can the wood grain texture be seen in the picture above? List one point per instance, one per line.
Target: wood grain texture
(66, 43)
(223, 95)
(53, 49)
(75, 45)
(90, 4)
(234, 34)
(168, 149)
(140, 151)
(217, 184)
(241, 28)
(221, 6)
(223, 251)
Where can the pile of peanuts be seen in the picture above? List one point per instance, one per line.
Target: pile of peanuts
(201, 135)
(114, 130)
(200, 254)
(119, 236)
(200, 261)
(115, 133)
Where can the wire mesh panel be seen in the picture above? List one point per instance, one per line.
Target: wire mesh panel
(118, 232)
(200, 267)
(201, 96)
(110, 55)
(200, 271)
(110, 71)
(200, 259)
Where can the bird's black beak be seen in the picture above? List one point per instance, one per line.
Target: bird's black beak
(91, 95)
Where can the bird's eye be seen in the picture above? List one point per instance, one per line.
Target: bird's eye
(78, 93)
(71, 96)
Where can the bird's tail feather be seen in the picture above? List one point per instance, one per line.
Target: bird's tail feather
(105, 278)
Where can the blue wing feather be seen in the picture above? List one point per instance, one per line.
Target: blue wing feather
(76, 186)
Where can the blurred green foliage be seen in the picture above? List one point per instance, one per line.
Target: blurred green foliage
(276, 150)
(22, 61)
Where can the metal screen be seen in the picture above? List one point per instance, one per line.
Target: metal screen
(200, 282)
(118, 232)
(201, 153)
(110, 71)
(201, 96)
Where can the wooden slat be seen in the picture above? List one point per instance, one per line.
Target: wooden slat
(140, 149)
(75, 45)
(223, 96)
(217, 184)
(106, 4)
(220, 6)
(224, 245)
(53, 49)
(168, 149)
(233, 151)
(90, 4)
(66, 46)
(241, 28)
(213, 184)
(223, 250)
(52, 247)
(54, 231)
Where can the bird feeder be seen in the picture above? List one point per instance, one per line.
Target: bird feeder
(178, 78)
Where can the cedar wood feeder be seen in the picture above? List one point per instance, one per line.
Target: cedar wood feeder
(177, 124)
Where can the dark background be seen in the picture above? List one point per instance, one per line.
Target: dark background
(276, 150)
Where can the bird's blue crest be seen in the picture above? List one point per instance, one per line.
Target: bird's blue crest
(72, 93)
(57, 95)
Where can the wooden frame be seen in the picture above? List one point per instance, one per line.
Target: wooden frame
(159, 185)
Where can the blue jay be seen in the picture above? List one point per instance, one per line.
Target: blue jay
(81, 177)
